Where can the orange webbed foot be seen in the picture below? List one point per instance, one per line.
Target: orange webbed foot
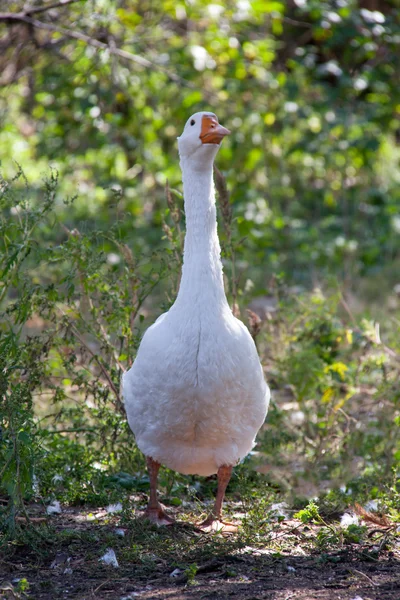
(217, 525)
(158, 516)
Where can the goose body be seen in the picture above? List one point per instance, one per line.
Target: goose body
(196, 395)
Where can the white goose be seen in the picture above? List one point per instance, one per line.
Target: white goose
(196, 396)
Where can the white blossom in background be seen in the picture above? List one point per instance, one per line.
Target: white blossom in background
(258, 211)
(113, 258)
(352, 245)
(331, 67)
(94, 112)
(109, 558)
(333, 17)
(297, 417)
(202, 60)
(330, 116)
(371, 505)
(396, 223)
(243, 8)
(290, 107)
(360, 84)
(97, 465)
(372, 16)
(378, 30)
(180, 12)
(215, 10)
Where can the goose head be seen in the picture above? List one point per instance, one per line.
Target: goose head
(201, 139)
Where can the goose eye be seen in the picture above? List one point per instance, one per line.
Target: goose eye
(192, 122)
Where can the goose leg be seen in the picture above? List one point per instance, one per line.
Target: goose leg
(214, 521)
(155, 511)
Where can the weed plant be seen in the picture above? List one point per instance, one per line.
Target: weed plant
(73, 308)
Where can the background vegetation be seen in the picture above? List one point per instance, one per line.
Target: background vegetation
(93, 97)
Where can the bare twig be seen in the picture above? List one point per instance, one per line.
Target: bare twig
(102, 367)
(388, 350)
(226, 211)
(100, 586)
(223, 200)
(363, 575)
(70, 430)
(297, 23)
(100, 364)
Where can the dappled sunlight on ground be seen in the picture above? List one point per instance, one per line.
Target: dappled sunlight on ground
(276, 559)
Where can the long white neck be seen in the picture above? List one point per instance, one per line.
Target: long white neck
(202, 278)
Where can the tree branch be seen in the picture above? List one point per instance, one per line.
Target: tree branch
(22, 17)
(37, 9)
(11, 16)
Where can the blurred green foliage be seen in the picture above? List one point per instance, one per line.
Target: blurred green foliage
(309, 90)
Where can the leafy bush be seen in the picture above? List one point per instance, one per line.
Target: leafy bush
(70, 319)
(335, 409)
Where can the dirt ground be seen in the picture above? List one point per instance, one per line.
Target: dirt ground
(246, 577)
(70, 568)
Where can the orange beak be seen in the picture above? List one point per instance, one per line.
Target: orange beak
(211, 131)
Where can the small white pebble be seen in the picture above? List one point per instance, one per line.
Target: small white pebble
(175, 573)
(280, 509)
(54, 508)
(109, 558)
(114, 508)
(371, 505)
(291, 569)
(348, 519)
(120, 532)
(357, 598)
(67, 571)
